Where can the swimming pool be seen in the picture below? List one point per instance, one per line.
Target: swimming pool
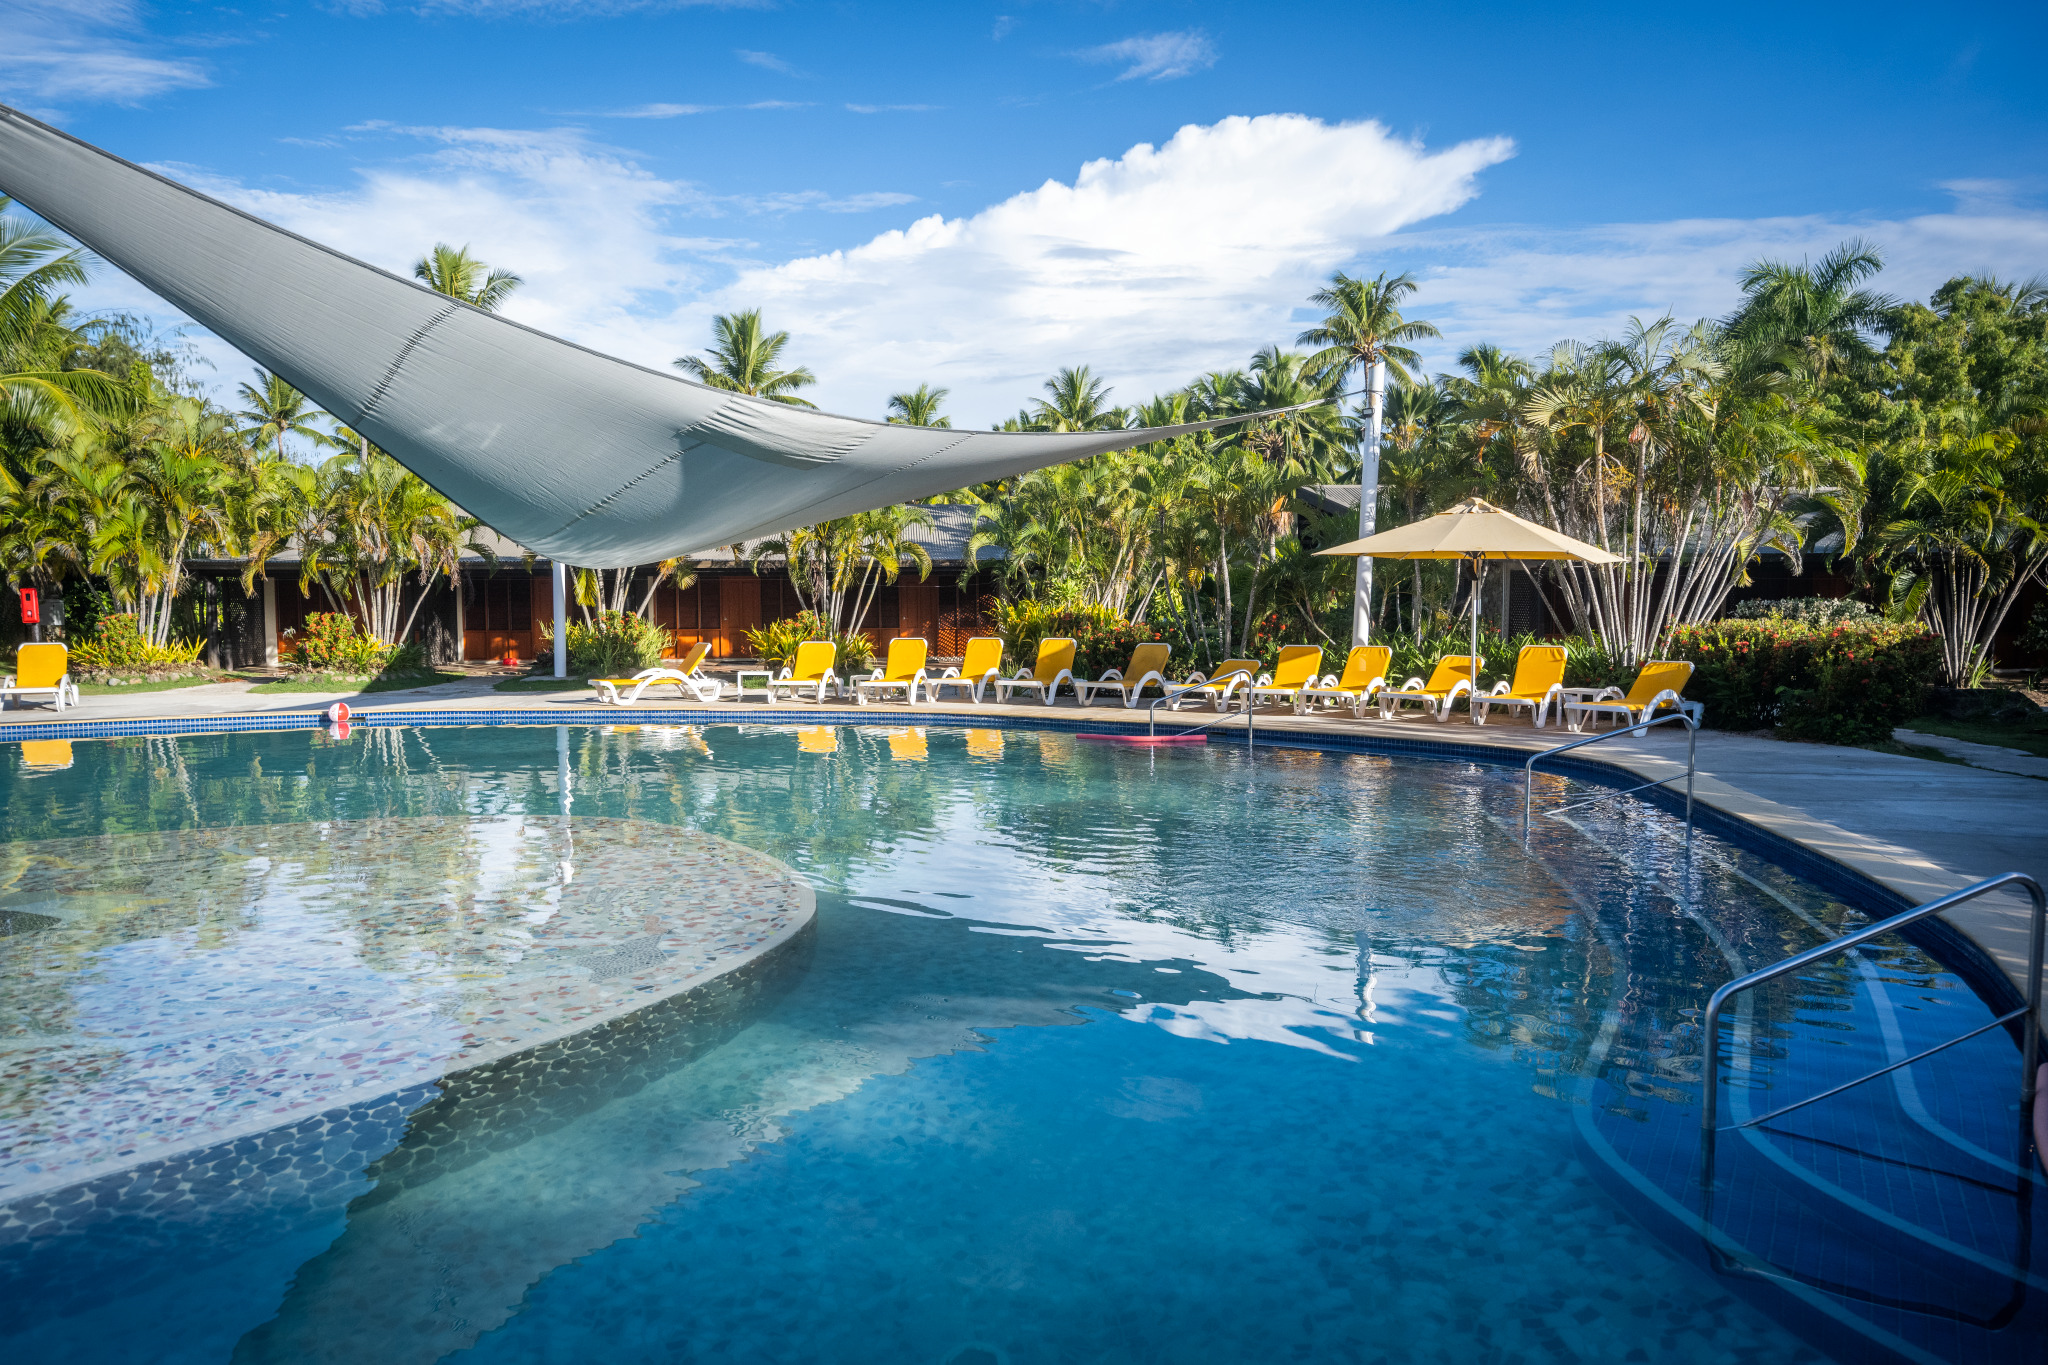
(1088, 1054)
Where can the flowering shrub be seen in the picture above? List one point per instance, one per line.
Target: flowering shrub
(1849, 683)
(612, 644)
(1102, 639)
(1808, 611)
(118, 645)
(332, 642)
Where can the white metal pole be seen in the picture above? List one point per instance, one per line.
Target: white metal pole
(561, 619)
(1368, 499)
(1478, 580)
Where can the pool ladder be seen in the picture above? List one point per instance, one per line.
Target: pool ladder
(1710, 1073)
(1172, 694)
(1692, 729)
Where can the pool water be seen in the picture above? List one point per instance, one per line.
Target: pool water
(1092, 1054)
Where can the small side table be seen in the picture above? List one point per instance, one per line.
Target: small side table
(766, 675)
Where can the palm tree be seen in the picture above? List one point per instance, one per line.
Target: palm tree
(743, 360)
(919, 407)
(454, 272)
(1080, 402)
(276, 410)
(33, 381)
(1811, 318)
(1364, 324)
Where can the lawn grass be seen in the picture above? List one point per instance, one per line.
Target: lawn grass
(401, 683)
(541, 685)
(1913, 751)
(2027, 736)
(159, 685)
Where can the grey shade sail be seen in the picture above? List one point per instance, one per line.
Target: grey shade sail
(576, 455)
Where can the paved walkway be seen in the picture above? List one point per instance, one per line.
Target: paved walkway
(1995, 757)
(1919, 827)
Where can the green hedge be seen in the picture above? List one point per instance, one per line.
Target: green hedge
(1848, 683)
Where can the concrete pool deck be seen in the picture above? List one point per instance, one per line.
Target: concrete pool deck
(1918, 827)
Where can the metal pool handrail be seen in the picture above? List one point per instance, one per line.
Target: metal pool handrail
(1168, 694)
(1711, 1024)
(1692, 729)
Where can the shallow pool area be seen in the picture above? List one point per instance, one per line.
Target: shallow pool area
(1087, 1053)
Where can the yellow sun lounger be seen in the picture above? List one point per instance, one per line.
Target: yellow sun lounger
(684, 675)
(1148, 665)
(908, 746)
(1538, 684)
(1232, 676)
(1661, 683)
(979, 668)
(818, 739)
(1365, 673)
(1451, 679)
(904, 671)
(1295, 670)
(40, 671)
(985, 743)
(1055, 666)
(812, 668)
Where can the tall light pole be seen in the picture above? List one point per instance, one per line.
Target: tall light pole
(1368, 498)
(561, 619)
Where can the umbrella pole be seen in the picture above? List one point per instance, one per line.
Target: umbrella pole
(1472, 702)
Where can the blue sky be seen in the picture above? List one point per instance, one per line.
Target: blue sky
(877, 176)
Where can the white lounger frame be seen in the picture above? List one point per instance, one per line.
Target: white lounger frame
(818, 685)
(65, 693)
(1333, 696)
(875, 682)
(1046, 691)
(1113, 681)
(1439, 707)
(696, 684)
(1485, 701)
(1218, 692)
(1613, 703)
(952, 678)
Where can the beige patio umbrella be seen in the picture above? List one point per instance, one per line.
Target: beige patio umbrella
(1477, 531)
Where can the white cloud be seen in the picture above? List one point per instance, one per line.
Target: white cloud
(1151, 267)
(1526, 288)
(662, 110)
(85, 49)
(561, 9)
(767, 61)
(1157, 56)
(685, 110)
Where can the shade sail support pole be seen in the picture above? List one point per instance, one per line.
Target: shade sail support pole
(561, 577)
(1368, 499)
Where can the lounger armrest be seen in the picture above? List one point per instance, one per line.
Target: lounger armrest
(1499, 689)
(1412, 685)
(1108, 674)
(949, 673)
(1666, 695)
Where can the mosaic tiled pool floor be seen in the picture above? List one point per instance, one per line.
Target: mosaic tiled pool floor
(165, 991)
